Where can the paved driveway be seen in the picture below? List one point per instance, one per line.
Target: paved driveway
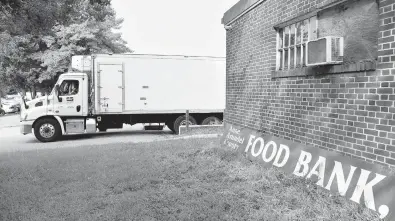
(9, 120)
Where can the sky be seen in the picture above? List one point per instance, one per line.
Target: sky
(174, 27)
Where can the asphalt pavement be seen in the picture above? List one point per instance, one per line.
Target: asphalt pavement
(9, 120)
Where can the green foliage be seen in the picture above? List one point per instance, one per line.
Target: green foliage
(38, 37)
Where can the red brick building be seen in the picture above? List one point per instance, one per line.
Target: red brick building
(346, 107)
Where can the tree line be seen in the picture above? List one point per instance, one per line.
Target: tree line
(38, 38)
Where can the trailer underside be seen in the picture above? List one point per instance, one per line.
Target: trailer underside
(116, 121)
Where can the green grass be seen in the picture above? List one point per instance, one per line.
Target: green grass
(174, 180)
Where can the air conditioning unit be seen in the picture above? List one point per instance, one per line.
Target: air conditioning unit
(325, 51)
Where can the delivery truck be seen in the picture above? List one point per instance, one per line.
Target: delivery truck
(106, 91)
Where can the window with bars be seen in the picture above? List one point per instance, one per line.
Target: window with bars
(291, 43)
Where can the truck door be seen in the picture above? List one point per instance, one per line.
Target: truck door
(111, 88)
(71, 95)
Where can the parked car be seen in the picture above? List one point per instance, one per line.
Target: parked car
(10, 106)
(2, 112)
(13, 96)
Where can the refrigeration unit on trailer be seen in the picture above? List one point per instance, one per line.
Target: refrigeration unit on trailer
(106, 91)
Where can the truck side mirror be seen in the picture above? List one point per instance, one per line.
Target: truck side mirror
(24, 102)
(57, 88)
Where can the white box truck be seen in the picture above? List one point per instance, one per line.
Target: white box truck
(105, 91)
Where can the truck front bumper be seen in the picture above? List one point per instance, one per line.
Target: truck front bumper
(26, 127)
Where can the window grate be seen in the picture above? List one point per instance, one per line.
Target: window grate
(291, 43)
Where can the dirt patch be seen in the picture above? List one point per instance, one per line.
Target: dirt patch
(173, 180)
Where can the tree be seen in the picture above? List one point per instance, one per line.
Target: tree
(38, 37)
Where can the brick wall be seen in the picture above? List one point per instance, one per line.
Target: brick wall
(352, 113)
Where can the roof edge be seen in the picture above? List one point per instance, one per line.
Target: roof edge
(238, 10)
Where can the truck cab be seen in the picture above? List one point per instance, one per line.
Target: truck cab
(69, 98)
(71, 95)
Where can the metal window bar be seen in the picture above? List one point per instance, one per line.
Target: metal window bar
(289, 49)
(286, 45)
(294, 30)
(278, 50)
(284, 35)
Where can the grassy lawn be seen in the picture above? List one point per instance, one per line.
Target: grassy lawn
(174, 180)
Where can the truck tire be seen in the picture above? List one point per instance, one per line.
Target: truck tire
(2, 112)
(181, 120)
(212, 121)
(47, 130)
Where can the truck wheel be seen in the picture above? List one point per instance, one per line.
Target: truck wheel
(2, 112)
(212, 121)
(47, 130)
(181, 120)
